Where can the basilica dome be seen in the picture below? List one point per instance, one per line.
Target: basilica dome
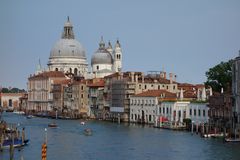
(68, 48)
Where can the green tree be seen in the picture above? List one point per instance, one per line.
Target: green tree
(220, 76)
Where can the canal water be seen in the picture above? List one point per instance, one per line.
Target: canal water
(111, 141)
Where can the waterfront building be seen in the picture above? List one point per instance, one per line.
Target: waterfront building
(68, 55)
(40, 96)
(105, 60)
(153, 105)
(236, 94)
(220, 110)
(144, 106)
(80, 101)
(57, 94)
(23, 102)
(121, 86)
(10, 100)
(96, 98)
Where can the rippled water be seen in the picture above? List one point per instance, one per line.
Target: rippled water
(111, 141)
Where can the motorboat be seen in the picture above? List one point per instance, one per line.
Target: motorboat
(82, 123)
(53, 125)
(87, 132)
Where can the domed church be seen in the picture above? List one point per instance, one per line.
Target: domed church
(68, 55)
(105, 60)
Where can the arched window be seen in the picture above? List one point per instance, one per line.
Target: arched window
(97, 67)
(75, 71)
(70, 70)
(56, 69)
(10, 102)
(119, 56)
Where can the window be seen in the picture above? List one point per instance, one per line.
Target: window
(140, 86)
(195, 112)
(145, 86)
(179, 113)
(199, 112)
(81, 95)
(173, 87)
(163, 110)
(97, 67)
(167, 87)
(158, 86)
(82, 87)
(132, 116)
(190, 112)
(204, 114)
(167, 110)
(160, 109)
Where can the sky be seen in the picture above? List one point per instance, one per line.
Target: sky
(184, 37)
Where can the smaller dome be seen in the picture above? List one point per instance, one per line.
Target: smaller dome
(102, 56)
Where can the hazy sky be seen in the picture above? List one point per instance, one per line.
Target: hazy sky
(185, 37)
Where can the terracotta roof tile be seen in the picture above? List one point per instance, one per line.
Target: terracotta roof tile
(156, 93)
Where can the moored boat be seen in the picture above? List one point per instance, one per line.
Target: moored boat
(15, 142)
(232, 139)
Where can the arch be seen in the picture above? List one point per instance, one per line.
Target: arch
(119, 56)
(75, 71)
(10, 102)
(70, 70)
(143, 116)
(56, 69)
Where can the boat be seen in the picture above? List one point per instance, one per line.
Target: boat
(88, 132)
(19, 112)
(232, 139)
(213, 135)
(15, 142)
(53, 125)
(29, 116)
(82, 123)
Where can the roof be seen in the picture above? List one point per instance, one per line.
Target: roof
(64, 81)
(48, 74)
(96, 84)
(156, 93)
(12, 94)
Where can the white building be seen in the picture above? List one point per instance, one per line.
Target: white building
(105, 60)
(177, 111)
(68, 55)
(150, 106)
(143, 106)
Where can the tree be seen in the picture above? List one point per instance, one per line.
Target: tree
(220, 76)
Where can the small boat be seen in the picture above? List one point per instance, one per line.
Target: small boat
(53, 125)
(232, 139)
(82, 123)
(88, 132)
(15, 142)
(19, 112)
(29, 116)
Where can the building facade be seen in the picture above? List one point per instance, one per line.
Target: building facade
(40, 96)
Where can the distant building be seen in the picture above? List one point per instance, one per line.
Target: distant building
(96, 98)
(10, 100)
(220, 110)
(236, 93)
(150, 106)
(40, 87)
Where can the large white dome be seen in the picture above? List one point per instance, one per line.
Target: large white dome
(68, 48)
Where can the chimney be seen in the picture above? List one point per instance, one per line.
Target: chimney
(171, 77)
(142, 77)
(136, 78)
(175, 78)
(132, 76)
